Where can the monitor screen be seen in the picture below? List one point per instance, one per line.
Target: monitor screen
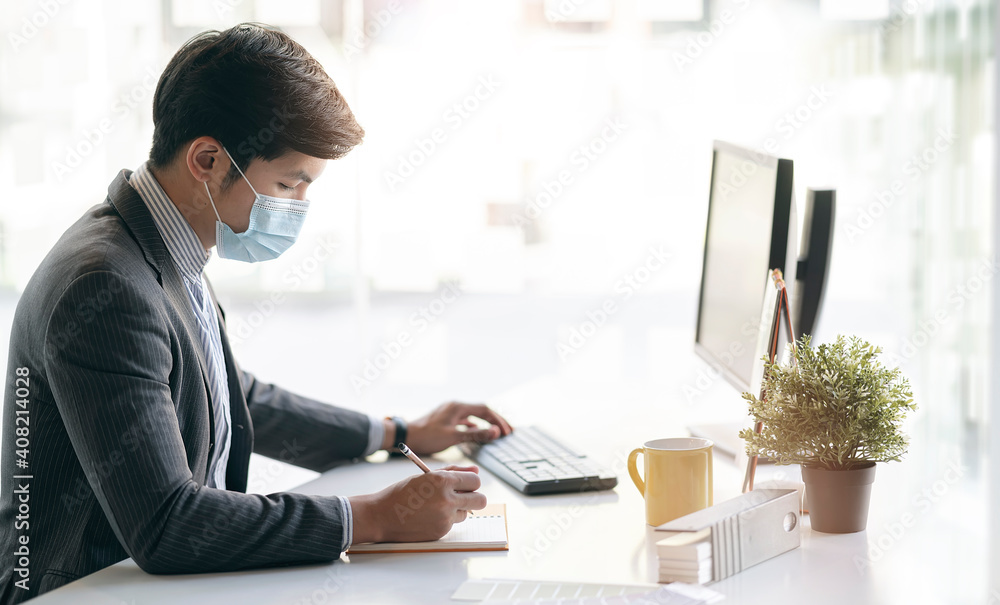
(749, 213)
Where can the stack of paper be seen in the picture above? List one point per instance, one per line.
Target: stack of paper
(518, 592)
(716, 542)
(685, 557)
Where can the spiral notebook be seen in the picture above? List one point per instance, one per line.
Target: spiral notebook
(484, 530)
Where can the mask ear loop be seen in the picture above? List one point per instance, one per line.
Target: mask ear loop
(213, 202)
(256, 195)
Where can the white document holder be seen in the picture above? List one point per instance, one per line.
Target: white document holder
(746, 530)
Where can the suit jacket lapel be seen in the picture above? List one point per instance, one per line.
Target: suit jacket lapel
(133, 210)
(139, 221)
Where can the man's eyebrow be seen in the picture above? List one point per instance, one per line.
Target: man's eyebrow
(301, 175)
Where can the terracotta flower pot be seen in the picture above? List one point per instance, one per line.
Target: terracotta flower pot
(838, 500)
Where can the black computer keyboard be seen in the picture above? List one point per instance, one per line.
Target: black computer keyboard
(534, 463)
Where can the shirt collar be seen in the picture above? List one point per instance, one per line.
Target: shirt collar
(181, 241)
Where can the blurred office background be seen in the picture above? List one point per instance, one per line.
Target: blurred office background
(526, 161)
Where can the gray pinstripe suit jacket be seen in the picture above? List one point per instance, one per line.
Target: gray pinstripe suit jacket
(120, 424)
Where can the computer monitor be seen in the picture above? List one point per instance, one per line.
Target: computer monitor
(815, 253)
(750, 229)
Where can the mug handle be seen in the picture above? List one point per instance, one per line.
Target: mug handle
(636, 478)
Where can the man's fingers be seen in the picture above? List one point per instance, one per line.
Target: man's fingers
(470, 501)
(472, 468)
(480, 435)
(496, 419)
(461, 481)
(483, 411)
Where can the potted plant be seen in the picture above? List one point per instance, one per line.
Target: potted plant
(836, 411)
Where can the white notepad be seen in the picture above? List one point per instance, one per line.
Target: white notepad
(484, 530)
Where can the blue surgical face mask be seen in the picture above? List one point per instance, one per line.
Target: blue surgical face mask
(275, 222)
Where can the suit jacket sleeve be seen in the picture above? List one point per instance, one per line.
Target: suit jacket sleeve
(110, 383)
(303, 431)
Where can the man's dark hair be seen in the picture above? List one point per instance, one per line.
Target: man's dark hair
(255, 90)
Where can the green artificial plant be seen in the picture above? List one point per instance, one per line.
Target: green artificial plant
(835, 407)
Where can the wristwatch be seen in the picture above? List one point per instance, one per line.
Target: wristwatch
(400, 433)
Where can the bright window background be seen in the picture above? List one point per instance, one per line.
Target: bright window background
(531, 154)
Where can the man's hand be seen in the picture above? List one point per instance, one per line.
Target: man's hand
(423, 507)
(440, 429)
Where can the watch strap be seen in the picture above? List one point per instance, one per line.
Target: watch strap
(401, 433)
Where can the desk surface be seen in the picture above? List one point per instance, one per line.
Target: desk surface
(923, 544)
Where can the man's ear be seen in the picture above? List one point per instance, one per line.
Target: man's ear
(206, 160)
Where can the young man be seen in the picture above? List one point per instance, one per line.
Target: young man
(128, 425)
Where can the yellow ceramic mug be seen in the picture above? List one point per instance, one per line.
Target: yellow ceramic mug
(678, 475)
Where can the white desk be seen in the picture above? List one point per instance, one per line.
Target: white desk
(602, 536)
